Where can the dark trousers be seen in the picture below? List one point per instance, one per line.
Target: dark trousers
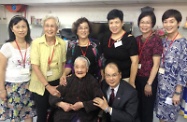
(42, 105)
(146, 103)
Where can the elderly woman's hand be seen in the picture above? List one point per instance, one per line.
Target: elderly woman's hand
(65, 106)
(101, 103)
(77, 106)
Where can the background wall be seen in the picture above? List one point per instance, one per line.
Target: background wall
(68, 14)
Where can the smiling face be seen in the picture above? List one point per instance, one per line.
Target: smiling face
(115, 25)
(20, 29)
(83, 30)
(145, 24)
(112, 75)
(80, 67)
(50, 27)
(170, 25)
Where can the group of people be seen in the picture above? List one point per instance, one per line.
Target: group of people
(118, 78)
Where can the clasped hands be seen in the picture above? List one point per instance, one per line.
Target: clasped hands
(68, 107)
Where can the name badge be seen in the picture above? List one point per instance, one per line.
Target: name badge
(25, 71)
(168, 101)
(118, 43)
(161, 70)
(49, 73)
(139, 66)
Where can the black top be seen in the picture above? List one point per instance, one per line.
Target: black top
(92, 52)
(84, 90)
(121, 54)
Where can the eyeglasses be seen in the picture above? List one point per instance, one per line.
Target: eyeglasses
(113, 75)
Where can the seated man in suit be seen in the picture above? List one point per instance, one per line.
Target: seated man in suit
(76, 101)
(122, 101)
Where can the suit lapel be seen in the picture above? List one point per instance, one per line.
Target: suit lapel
(119, 95)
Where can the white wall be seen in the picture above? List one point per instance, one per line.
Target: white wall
(68, 14)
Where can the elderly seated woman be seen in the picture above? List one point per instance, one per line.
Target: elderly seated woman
(75, 102)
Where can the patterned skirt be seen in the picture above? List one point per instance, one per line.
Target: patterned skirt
(19, 105)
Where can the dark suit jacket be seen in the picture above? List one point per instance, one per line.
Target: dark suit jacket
(125, 104)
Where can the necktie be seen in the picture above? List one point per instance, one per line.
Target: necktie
(111, 99)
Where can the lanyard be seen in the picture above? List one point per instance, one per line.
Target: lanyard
(163, 57)
(111, 43)
(23, 58)
(141, 48)
(84, 52)
(51, 57)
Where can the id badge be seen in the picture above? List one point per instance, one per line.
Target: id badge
(139, 66)
(49, 73)
(161, 70)
(118, 43)
(25, 71)
(168, 101)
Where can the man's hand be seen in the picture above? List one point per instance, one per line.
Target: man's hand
(101, 103)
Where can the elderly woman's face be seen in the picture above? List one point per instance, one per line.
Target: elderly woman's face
(83, 30)
(50, 28)
(80, 68)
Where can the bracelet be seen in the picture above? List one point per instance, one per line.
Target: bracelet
(149, 84)
(2, 91)
(177, 93)
(46, 85)
(107, 110)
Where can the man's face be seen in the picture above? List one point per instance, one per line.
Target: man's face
(112, 75)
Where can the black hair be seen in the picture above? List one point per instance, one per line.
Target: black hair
(115, 13)
(77, 23)
(172, 13)
(150, 14)
(14, 20)
(112, 62)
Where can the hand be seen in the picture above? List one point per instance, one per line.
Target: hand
(53, 91)
(148, 90)
(176, 99)
(65, 106)
(77, 106)
(3, 95)
(101, 103)
(63, 80)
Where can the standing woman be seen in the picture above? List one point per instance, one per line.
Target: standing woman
(84, 46)
(150, 50)
(172, 72)
(15, 98)
(48, 56)
(120, 46)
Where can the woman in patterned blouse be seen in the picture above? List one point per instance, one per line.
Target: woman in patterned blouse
(172, 72)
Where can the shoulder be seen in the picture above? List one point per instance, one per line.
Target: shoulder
(127, 87)
(61, 41)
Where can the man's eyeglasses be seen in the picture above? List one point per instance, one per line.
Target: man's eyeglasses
(113, 75)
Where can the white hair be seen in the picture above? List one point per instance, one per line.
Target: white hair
(83, 58)
(51, 17)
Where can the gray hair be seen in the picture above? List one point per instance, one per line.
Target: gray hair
(51, 17)
(83, 58)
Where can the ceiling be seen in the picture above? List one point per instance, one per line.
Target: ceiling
(89, 2)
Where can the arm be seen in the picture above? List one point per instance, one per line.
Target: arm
(153, 73)
(3, 65)
(52, 89)
(134, 69)
(95, 91)
(129, 112)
